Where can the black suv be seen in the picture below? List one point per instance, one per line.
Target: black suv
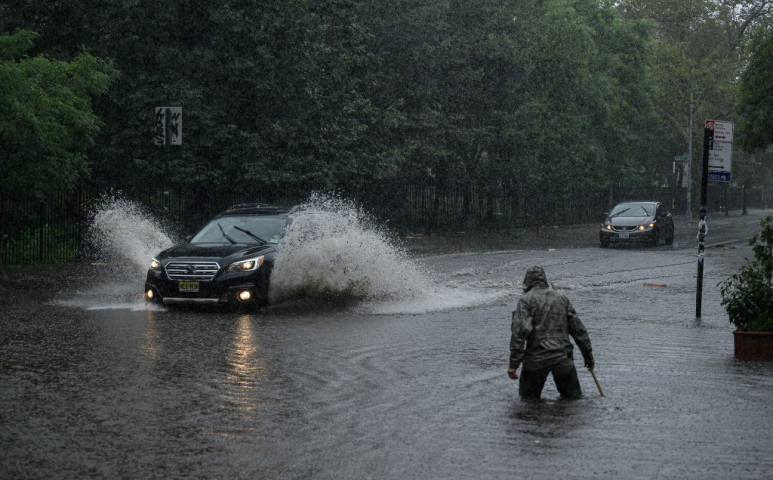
(229, 261)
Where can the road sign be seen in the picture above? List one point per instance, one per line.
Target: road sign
(168, 126)
(717, 156)
(723, 131)
(681, 158)
(720, 158)
(720, 150)
(719, 176)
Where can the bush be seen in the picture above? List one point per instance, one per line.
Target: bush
(747, 295)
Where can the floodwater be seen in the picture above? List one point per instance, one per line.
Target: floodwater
(402, 382)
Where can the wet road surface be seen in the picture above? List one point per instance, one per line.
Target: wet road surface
(400, 390)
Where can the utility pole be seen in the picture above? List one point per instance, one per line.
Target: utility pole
(708, 137)
(689, 155)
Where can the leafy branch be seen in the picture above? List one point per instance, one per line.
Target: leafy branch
(747, 295)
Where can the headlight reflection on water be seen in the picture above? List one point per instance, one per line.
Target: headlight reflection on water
(244, 373)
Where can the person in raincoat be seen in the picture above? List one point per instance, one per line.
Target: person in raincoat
(542, 323)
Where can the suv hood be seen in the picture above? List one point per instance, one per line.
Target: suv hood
(214, 250)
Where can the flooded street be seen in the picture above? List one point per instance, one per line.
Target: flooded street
(393, 388)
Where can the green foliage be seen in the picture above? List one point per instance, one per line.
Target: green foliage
(46, 121)
(282, 97)
(747, 295)
(755, 103)
(698, 57)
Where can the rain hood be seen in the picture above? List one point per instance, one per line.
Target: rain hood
(535, 277)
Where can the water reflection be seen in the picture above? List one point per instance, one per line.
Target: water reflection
(149, 345)
(246, 368)
(545, 410)
(540, 422)
(244, 371)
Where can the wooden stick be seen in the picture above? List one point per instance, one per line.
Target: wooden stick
(597, 383)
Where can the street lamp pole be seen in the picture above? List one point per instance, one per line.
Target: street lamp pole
(689, 156)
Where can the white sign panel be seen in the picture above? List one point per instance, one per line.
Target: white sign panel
(723, 131)
(168, 126)
(720, 149)
(720, 157)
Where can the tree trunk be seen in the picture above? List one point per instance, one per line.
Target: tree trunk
(743, 199)
(3, 214)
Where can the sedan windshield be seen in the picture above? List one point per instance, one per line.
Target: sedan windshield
(633, 210)
(246, 229)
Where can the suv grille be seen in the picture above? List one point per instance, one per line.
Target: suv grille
(625, 228)
(203, 272)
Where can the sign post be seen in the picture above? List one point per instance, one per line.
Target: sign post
(168, 126)
(168, 130)
(717, 156)
(679, 168)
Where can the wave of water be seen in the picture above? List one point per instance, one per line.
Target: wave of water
(331, 250)
(124, 231)
(124, 237)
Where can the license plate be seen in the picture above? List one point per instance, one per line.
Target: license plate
(622, 235)
(188, 287)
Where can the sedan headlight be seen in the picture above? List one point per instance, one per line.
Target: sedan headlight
(245, 265)
(646, 226)
(155, 264)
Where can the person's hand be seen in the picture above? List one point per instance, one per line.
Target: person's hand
(590, 363)
(512, 373)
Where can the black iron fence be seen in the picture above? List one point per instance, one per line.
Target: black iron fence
(54, 230)
(43, 232)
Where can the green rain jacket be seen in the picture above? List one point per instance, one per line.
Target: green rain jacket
(544, 320)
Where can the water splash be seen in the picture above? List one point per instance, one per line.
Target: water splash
(332, 249)
(126, 233)
(124, 237)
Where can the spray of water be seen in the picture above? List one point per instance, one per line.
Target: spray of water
(333, 249)
(123, 239)
(124, 232)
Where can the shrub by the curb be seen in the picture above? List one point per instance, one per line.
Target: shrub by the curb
(746, 295)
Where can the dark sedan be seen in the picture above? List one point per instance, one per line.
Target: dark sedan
(637, 222)
(229, 261)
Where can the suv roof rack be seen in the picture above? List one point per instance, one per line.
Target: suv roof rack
(255, 208)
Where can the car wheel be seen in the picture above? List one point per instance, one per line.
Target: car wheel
(604, 243)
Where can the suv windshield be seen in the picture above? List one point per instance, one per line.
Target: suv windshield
(632, 210)
(242, 229)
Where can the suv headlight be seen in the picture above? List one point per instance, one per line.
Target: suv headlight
(155, 264)
(245, 265)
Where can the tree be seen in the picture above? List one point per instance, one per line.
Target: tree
(515, 95)
(755, 99)
(699, 56)
(46, 119)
